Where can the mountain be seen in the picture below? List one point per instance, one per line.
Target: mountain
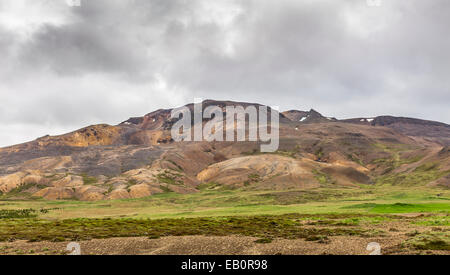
(138, 157)
(307, 117)
(429, 130)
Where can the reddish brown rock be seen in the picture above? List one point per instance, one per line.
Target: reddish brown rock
(69, 181)
(10, 182)
(143, 190)
(119, 194)
(90, 193)
(55, 193)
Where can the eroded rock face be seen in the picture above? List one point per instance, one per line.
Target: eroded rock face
(55, 193)
(262, 168)
(118, 183)
(90, 193)
(275, 172)
(84, 193)
(119, 186)
(135, 183)
(119, 194)
(16, 180)
(10, 182)
(34, 179)
(143, 190)
(142, 175)
(69, 181)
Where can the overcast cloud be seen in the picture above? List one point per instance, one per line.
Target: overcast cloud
(66, 67)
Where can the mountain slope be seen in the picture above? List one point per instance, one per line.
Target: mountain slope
(138, 158)
(312, 116)
(428, 130)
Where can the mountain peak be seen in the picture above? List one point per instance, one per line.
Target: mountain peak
(311, 116)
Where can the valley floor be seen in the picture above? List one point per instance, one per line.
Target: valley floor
(402, 220)
(398, 237)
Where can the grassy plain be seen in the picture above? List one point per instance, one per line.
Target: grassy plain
(212, 203)
(313, 215)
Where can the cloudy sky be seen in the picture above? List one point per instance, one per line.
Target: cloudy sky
(64, 67)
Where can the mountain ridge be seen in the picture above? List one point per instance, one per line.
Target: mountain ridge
(138, 157)
(311, 116)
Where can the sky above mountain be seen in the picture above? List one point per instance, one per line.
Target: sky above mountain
(64, 67)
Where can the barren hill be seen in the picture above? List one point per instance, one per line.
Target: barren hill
(138, 158)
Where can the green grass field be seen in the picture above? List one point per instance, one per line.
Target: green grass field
(364, 200)
(313, 215)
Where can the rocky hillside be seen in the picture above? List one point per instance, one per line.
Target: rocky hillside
(428, 130)
(139, 158)
(307, 117)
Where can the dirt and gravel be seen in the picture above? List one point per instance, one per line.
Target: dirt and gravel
(391, 242)
(204, 245)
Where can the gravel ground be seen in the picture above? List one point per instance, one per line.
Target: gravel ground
(393, 235)
(204, 245)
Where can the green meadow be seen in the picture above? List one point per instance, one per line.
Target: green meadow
(212, 203)
(313, 215)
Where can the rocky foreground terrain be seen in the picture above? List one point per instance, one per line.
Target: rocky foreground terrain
(138, 158)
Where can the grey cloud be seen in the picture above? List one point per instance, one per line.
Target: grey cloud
(74, 50)
(112, 59)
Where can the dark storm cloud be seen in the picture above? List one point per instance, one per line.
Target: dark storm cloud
(74, 50)
(110, 59)
(97, 40)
